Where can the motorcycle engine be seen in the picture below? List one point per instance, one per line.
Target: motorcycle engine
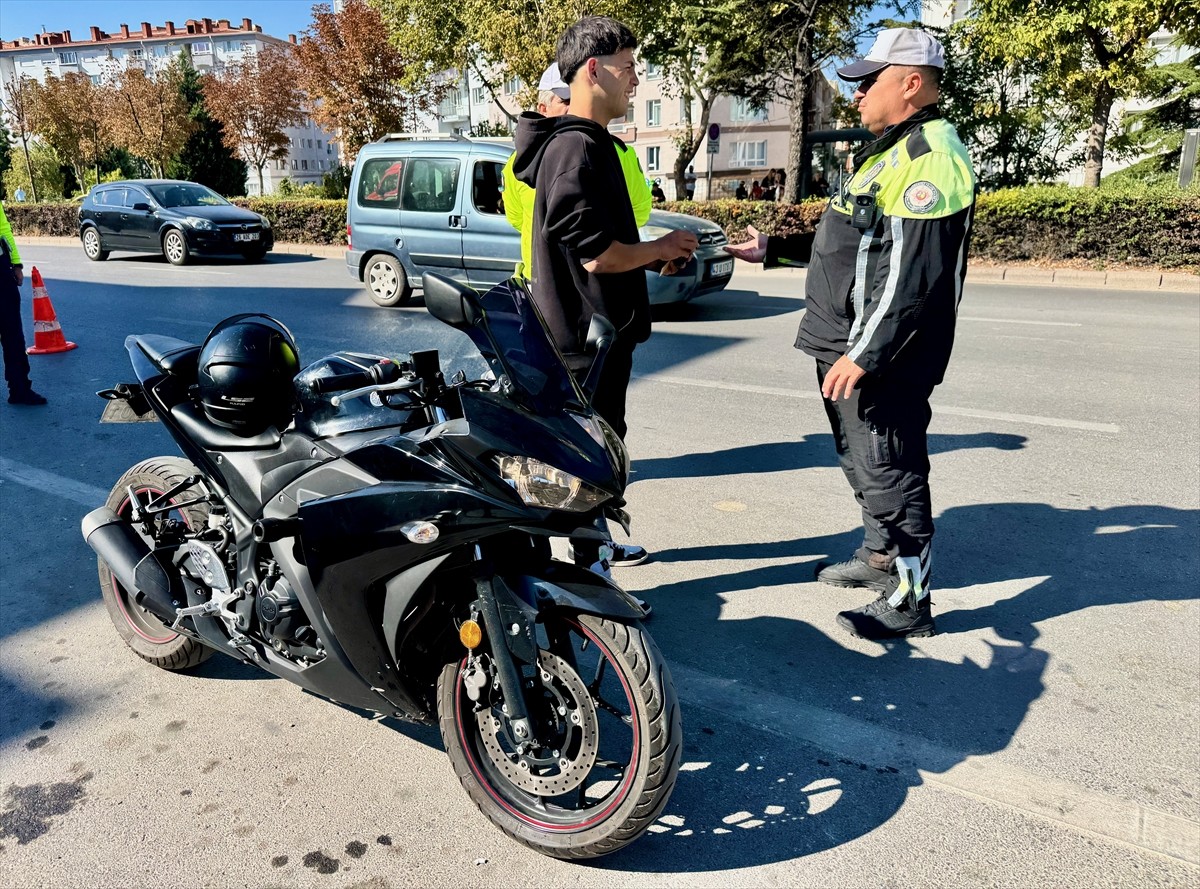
(283, 621)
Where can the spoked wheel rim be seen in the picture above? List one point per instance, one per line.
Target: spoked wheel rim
(584, 764)
(383, 280)
(173, 244)
(91, 243)
(144, 625)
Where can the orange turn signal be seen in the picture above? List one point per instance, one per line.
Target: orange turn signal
(470, 634)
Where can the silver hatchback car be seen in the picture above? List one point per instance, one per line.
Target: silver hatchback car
(433, 203)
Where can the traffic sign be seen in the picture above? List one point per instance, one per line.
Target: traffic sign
(714, 138)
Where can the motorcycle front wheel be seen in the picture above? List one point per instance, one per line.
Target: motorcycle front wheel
(609, 740)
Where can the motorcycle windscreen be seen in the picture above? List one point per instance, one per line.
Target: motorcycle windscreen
(515, 342)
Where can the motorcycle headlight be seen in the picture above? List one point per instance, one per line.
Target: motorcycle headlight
(198, 222)
(540, 484)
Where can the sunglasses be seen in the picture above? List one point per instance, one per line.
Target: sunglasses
(867, 82)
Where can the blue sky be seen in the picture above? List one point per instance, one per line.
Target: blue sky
(25, 18)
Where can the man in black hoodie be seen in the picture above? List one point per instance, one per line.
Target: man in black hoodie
(587, 256)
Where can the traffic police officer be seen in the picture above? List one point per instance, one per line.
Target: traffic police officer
(886, 268)
(12, 334)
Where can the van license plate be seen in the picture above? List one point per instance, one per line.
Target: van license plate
(717, 269)
(253, 236)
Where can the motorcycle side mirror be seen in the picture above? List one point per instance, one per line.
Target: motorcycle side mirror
(451, 302)
(601, 335)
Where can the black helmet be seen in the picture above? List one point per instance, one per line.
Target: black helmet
(245, 374)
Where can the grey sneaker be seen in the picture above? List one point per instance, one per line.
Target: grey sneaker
(881, 621)
(854, 573)
(624, 555)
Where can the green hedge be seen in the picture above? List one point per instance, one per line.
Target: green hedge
(1138, 227)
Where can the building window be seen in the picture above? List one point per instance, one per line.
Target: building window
(303, 165)
(654, 113)
(318, 145)
(749, 154)
(740, 111)
(653, 71)
(321, 165)
(629, 113)
(247, 46)
(479, 96)
(310, 143)
(136, 55)
(95, 78)
(68, 58)
(653, 158)
(295, 164)
(202, 48)
(512, 86)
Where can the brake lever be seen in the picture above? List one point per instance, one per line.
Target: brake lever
(385, 388)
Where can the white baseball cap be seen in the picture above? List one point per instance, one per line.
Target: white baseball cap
(896, 46)
(552, 81)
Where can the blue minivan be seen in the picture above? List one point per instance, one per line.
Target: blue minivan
(434, 203)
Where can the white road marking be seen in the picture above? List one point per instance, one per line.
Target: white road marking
(813, 395)
(1021, 321)
(981, 777)
(50, 483)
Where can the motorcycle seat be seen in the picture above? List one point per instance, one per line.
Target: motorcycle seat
(214, 438)
(170, 355)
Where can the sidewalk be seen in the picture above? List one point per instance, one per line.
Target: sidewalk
(977, 273)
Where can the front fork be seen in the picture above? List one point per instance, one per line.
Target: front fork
(499, 629)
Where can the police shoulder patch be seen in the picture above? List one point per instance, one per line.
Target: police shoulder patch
(920, 197)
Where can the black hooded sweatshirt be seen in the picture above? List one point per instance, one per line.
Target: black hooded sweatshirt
(581, 206)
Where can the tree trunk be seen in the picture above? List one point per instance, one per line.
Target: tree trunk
(1097, 132)
(29, 169)
(261, 193)
(798, 162)
(689, 146)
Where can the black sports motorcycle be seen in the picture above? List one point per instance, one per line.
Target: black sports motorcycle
(379, 536)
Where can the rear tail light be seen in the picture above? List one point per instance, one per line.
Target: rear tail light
(349, 243)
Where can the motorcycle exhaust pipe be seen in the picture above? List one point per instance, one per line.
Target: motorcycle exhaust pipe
(131, 561)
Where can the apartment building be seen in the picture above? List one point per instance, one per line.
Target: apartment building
(752, 142)
(213, 44)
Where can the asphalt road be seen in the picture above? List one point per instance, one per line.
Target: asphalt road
(1048, 736)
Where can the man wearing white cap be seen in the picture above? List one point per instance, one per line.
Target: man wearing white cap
(886, 267)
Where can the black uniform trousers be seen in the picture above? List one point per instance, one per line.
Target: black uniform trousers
(12, 333)
(880, 436)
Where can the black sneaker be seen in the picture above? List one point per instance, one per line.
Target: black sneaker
(623, 555)
(881, 621)
(854, 573)
(28, 397)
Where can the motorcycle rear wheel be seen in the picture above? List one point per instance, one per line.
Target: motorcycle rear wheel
(620, 745)
(147, 636)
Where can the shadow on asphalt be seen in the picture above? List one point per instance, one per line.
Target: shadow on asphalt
(159, 259)
(728, 305)
(752, 797)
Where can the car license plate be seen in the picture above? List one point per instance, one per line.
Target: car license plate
(253, 236)
(717, 269)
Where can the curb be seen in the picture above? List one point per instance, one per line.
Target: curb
(1116, 279)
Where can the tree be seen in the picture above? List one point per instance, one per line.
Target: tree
(5, 153)
(18, 101)
(205, 157)
(492, 39)
(1016, 132)
(777, 49)
(149, 115)
(46, 180)
(1158, 130)
(356, 81)
(255, 103)
(1095, 52)
(70, 115)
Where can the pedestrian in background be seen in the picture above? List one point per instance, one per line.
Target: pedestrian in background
(12, 332)
(587, 255)
(888, 260)
(656, 193)
(741, 192)
(689, 184)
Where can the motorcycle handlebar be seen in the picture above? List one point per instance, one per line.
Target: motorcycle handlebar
(383, 372)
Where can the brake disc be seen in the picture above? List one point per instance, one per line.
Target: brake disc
(563, 762)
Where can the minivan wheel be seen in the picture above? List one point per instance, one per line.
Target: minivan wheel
(92, 248)
(175, 247)
(386, 280)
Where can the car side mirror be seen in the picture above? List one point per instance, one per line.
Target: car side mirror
(141, 205)
(451, 302)
(600, 337)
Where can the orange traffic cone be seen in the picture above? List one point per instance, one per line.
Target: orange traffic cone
(47, 332)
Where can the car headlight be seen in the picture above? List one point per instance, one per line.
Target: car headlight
(198, 222)
(540, 484)
(653, 232)
(266, 223)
